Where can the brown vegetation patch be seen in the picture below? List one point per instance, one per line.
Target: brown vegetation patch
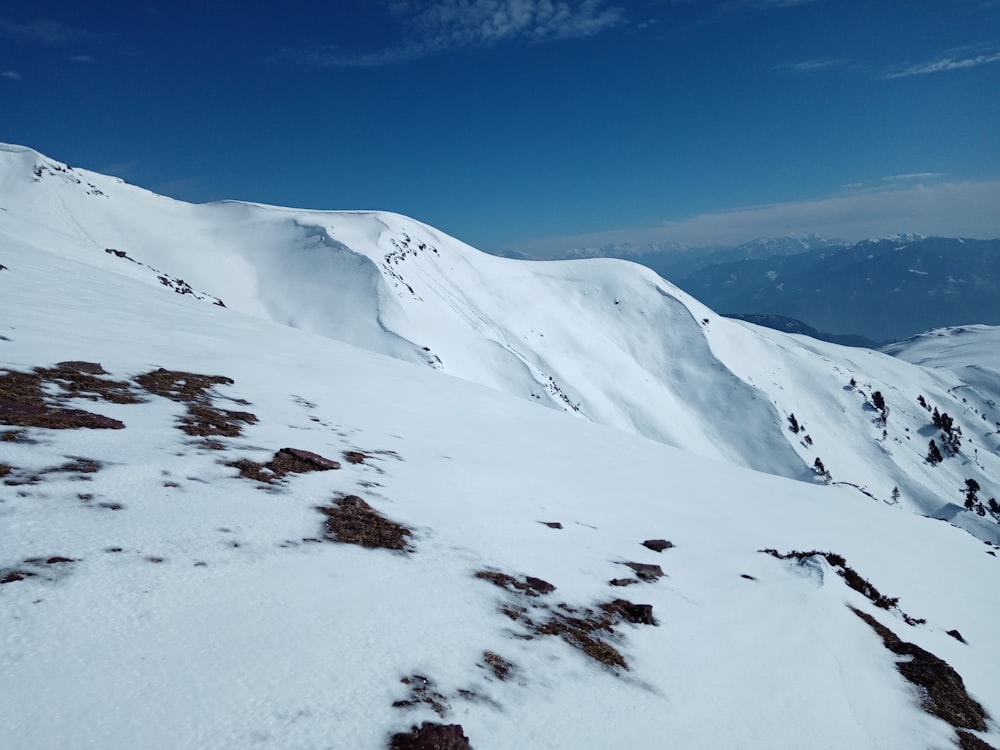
(429, 736)
(177, 385)
(202, 418)
(657, 545)
(646, 571)
(25, 402)
(943, 690)
(76, 466)
(286, 461)
(12, 575)
(207, 421)
(529, 585)
(589, 630)
(353, 521)
(969, 741)
(586, 632)
(16, 436)
(500, 667)
(422, 692)
(852, 578)
(35, 567)
(5, 470)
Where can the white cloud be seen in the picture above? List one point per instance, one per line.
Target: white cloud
(460, 24)
(945, 64)
(11, 75)
(953, 209)
(42, 30)
(811, 65)
(911, 176)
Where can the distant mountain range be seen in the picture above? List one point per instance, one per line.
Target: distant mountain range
(881, 289)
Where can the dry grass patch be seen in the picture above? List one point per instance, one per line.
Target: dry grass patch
(969, 741)
(422, 692)
(47, 568)
(528, 585)
(285, 461)
(852, 578)
(351, 520)
(591, 631)
(207, 421)
(202, 418)
(178, 385)
(26, 402)
(500, 667)
(942, 687)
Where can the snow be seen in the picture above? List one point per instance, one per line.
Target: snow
(279, 642)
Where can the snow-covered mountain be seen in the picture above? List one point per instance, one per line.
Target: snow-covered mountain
(188, 503)
(607, 340)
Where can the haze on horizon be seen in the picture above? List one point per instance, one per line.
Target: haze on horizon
(532, 125)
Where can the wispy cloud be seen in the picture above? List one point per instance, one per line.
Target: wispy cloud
(911, 176)
(445, 25)
(812, 65)
(951, 209)
(949, 62)
(765, 4)
(82, 59)
(44, 31)
(11, 75)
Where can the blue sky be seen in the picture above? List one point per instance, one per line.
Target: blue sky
(531, 124)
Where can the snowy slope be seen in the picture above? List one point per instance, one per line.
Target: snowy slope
(605, 340)
(967, 356)
(175, 604)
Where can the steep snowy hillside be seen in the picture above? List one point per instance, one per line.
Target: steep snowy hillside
(967, 357)
(221, 532)
(608, 341)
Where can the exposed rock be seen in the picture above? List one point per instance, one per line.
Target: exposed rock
(91, 368)
(530, 585)
(646, 571)
(552, 524)
(304, 461)
(431, 737)
(657, 545)
(623, 581)
(639, 614)
(957, 636)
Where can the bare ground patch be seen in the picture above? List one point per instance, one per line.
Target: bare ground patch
(943, 689)
(285, 461)
(590, 630)
(38, 398)
(500, 667)
(46, 568)
(351, 520)
(202, 418)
